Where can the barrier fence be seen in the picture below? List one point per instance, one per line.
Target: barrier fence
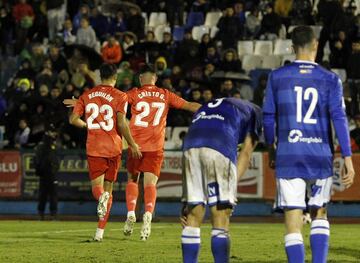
(19, 181)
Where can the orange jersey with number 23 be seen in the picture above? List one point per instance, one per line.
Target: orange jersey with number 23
(149, 109)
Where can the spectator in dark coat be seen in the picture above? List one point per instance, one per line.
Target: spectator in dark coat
(204, 44)
(230, 29)
(187, 49)
(212, 56)
(167, 47)
(353, 75)
(136, 23)
(340, 50)
(118, 24)
(5, 29)
(270, 24)
(100, 23)
(58, 61)
(230, 62)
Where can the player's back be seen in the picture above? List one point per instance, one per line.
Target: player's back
(223, 124)
(149, 109)
(101, 105)
(303, 96)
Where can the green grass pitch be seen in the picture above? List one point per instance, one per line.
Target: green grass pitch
(35, 241)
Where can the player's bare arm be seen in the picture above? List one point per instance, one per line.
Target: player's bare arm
(123, 129)
(348, 173)
(245, 154)
(75, 120)
(70, 103)
(191, 106)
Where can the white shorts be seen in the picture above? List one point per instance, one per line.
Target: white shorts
(291, 192)
(208, 178)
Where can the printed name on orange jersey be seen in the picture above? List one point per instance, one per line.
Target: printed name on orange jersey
(151, 94)
(106, 96)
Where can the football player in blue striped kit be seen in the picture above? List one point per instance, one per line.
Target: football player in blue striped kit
(301, 101)
(211, 170)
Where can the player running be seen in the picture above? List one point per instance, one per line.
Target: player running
(105, 109)
(149, 108)
(212, 168)
(301, 99)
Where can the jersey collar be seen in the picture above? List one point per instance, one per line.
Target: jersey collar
(305, 61)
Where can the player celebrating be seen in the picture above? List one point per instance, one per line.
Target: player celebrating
(149, 108)
(302, 98)
(211, 170)
(105, 110)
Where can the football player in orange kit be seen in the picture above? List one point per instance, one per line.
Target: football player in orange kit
(105, 119)
(149, 108)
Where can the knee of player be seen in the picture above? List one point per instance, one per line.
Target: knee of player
(318, 213)
(150, 179)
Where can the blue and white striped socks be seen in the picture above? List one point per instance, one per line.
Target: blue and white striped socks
(220, 245)
(294, 246)
(190, 243)
(319, 240)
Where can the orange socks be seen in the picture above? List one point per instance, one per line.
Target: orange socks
(132, 192)
(97, 191)
(102, 222)
(150, 198)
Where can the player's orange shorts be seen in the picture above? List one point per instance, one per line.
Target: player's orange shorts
(104, 165)
(149, 162)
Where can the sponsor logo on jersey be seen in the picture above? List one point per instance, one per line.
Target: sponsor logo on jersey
(296, 136)
(202, 116)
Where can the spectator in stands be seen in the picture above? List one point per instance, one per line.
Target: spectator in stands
(200, 6)
(58, 61)
(270, 24)
(207, 95)
(239, 10)
(136, 23)
(301, 13)
(283, 9)
(100, 23)
(204, 44)
(208, 71)
(68, 33)
(236, 94)
(63, 79)
(230, 29)
(38, 122)
(88, 75)
(124, 71)
(25, 70)
(187, 49)
(22, 135)
(353, 75)
(44, 91)
(253, 23)
(175, 12)
(117, 23)
(212, 56)
(355, 133)
(37, 56)
(86, 34)
(230, 61)
(5, 29)
(111, 51)
(340, 50)
(46, 75)
(55, 16)
(150, 37)
(129, 40)
(226, 88)
(161, 68)
(84, 11)
(259, 92)
(24, 16)
(167, 47)
(176, 75)
(196, 96)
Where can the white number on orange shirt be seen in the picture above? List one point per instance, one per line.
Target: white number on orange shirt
(144, 109)
(107, 124)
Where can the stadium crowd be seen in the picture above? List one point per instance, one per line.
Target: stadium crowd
(52, 49)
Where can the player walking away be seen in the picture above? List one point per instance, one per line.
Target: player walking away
(105, 109)
(301, 99)
(149, 109)
(211, 170)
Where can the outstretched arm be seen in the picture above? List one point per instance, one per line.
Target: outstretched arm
(75, 120)
(123, 129)
(191, 106)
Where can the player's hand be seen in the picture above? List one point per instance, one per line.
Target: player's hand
(272, 157)
(135, 151)
(348, 173)
(183, 217)
(70, 102)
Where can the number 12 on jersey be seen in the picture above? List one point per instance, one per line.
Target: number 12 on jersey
(300, 95)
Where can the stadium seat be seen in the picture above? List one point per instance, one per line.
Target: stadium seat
(199, 31)
(271, 61)
(283, 47)
(263, 47)
(178, 33)
(291, 28)
(212, 18)
(213, 31)
(194, 19)
(250, 62)
(157, 19)
(289, 57)
(144, 15)
(245, 48)
(159, 31)
(341, 73)
(317, 30)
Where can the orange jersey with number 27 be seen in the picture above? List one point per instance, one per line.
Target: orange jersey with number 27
(149, 109)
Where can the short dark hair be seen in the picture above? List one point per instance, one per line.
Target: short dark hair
(302, 36)
(147, 68)
(107, 71)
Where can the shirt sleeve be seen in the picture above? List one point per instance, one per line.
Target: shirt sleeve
(339, 119)
(121, 103)
(269, 111)
(79, 107)
(175, 101)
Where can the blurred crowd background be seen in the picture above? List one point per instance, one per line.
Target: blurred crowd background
(202, 49)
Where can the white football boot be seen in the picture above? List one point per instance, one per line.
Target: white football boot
(98, 235)
(102, 206)
(146, 227)
(129, 223)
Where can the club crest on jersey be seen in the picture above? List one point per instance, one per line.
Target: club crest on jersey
(297, 136)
